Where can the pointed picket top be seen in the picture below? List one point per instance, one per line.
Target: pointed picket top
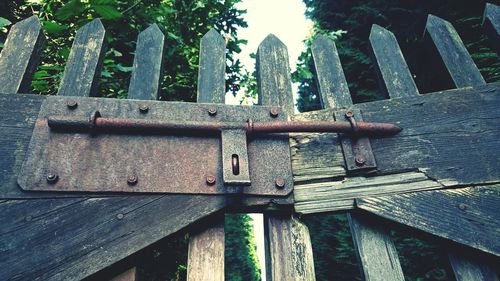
(457, 60)
(83, 67)
(395, 78)
(212, 71)
(20, 56)
(330, 78)
(491, 24)
(273, 74)
(145, 82)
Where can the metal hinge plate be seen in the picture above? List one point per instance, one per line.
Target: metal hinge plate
(148, 162)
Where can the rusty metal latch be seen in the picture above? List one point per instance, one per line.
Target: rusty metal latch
(91, 144)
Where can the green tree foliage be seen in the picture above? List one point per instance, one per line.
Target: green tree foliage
(241, 257)
(184, 23)
(406, 19)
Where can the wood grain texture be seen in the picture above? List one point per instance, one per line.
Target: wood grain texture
(273, 74)
(20, 55)
(83, 67)
(394, 76)
(80, 236)
(206, 254)
(145, 83)
(206, 248)
(491, 24)
(290, 250)
(466, 215)
(129, 275)
(211, 75)
(469, 268)
(340, 195)
(375, 250)
(452, 52)
(329, 75)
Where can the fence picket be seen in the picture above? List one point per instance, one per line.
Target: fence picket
(393, 74)
(491, 24)
(84, 63)
(129, 275)
(289, 250)
(206, 248)
(369, 240)
(145, 82)
(21, 55)
(329, 75)
(467, 268)
(452, 53)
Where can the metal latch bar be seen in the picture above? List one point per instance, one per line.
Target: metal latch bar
(96, 122)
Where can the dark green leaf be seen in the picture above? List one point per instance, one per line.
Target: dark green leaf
(70, 9)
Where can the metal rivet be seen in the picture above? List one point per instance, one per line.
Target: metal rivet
(210, 179)
(462, 206)
(349, 114)
(280, 183)
(132, 179)
(119, 216)
(72, 104)
(143, 108)
(28, 218)
(52, 177)
(212, 111)
(274, 112)
(360, 160)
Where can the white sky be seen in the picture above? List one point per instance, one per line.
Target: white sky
(283, 18)
(286, 20)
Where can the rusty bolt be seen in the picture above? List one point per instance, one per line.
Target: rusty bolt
(210, 179)
(52, 177)
(119, 216)
(143, 108)
(72, 104)
(132, 179)
(274, 112)
(349, 114)
(280, 183)
(360, 160)
(212, 111)
(462, 206)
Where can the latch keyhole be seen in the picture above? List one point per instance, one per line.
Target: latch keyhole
(235, 163)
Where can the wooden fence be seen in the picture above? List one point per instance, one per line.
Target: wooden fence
(54, 236)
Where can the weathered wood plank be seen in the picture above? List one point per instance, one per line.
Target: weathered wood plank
(145, 83)
(273, 74)
(375, 249)
(289, 251)
(206, 249)
(129, 275)
(469, 268)
(206, 254)
(212, 68)
(340, 195)
(20, 55)
(329, 75)
(466, 215)
(491, 24)
(288, 264)
(394, 76)
(83, 67)
(452, 52)
(80, 236)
